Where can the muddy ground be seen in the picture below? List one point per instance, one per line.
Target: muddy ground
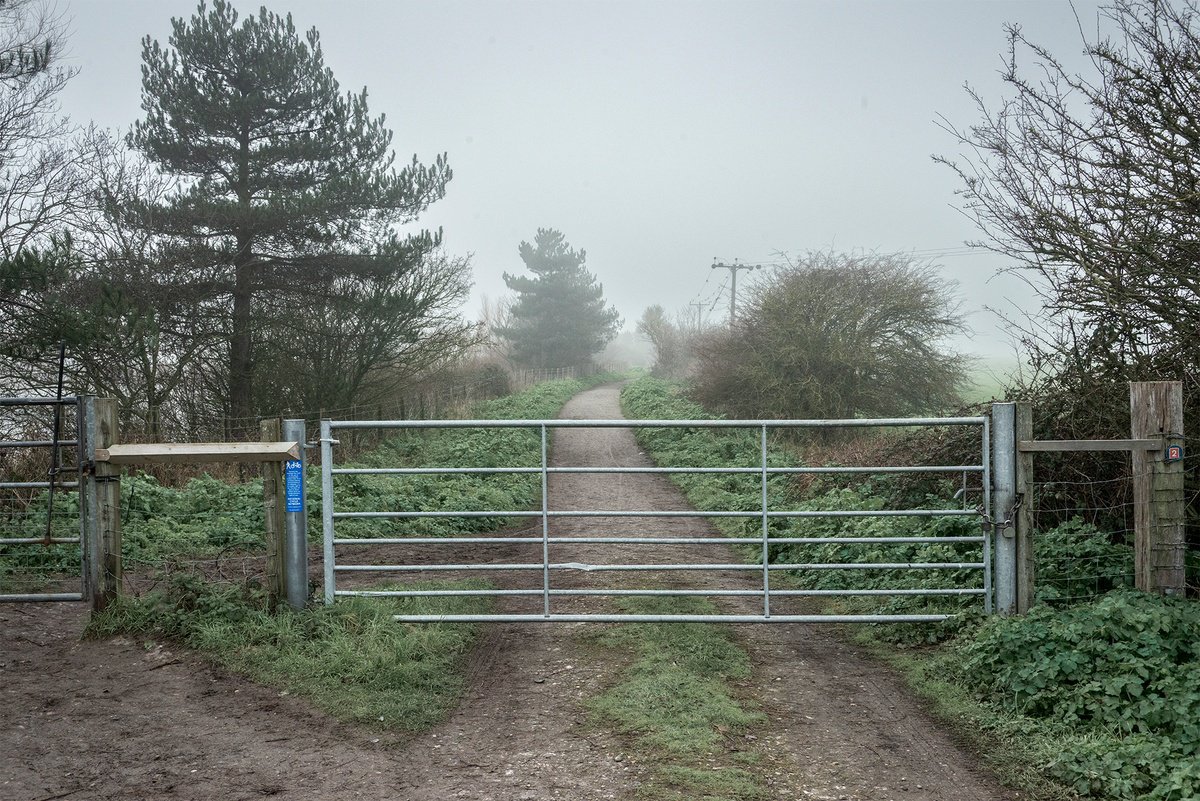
(119, 720)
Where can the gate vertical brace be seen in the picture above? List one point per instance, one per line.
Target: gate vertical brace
(100, 505)
(295, 523)
(1004, 496)
(271, 430)
(545, 528)
(766, 551)
(327, 507)
(1023, 515)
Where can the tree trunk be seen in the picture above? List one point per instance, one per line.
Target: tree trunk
(241, 357)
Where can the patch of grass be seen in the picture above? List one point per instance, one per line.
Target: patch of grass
(1016, 748)
(352, 659)
(677, 702)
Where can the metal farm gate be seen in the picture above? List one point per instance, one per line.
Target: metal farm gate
(547, 585)
(32, 540)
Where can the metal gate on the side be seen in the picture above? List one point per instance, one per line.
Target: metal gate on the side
(545, 587)
(41, 528)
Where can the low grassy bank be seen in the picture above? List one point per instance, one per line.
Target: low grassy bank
(1095, 694)
(351, 660)
(678, 703)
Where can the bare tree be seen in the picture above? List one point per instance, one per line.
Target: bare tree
(1091, 183)
(672, 341)
(39, 179)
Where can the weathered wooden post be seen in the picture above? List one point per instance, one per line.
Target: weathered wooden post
(1023, 515)
(271, 430)
(100, 504)
(1156, 411)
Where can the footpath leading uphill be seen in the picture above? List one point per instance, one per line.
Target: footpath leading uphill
(112, 720)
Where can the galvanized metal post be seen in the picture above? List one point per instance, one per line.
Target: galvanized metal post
(1004, 496)
(327, 506)
(766, 550)
(295, 520)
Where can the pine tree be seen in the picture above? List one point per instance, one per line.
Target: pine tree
(289, 185)
(559, 318)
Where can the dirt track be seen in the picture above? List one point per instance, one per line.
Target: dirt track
(113, 720)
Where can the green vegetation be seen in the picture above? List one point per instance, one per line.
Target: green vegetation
(351, 659)
(1122, 673)
(1092, 694)
(678, 702)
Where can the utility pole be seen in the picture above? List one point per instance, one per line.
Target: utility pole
(733, 271)
(699, 314)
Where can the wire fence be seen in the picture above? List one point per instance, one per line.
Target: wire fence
(1084, 528)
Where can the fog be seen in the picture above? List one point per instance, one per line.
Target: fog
(658, 136)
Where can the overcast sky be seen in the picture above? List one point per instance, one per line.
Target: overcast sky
(656, 135)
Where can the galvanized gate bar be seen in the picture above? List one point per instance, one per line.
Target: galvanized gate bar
(680, 513)
(452, 471)
(603, 618)
(856, 422)
(764, 513)
(654, 592)
(644, 540)
(602, 568)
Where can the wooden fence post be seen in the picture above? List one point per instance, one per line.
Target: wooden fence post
(271, 430)
(100, 500)
(1156, 410)
(1023, 517)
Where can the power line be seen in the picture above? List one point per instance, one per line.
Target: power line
(733, 271)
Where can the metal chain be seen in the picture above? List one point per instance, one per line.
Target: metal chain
(990, 525)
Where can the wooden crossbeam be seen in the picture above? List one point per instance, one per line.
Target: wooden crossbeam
(199, 452)
(1082, 445)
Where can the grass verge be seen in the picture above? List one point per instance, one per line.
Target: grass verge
(351, 660)
(678, 703)
(1014, 747)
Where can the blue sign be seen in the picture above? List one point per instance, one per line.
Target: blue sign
(293, 481)
(1174, 453)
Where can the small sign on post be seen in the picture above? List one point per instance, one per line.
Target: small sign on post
(1174, 453)
(293, 471)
